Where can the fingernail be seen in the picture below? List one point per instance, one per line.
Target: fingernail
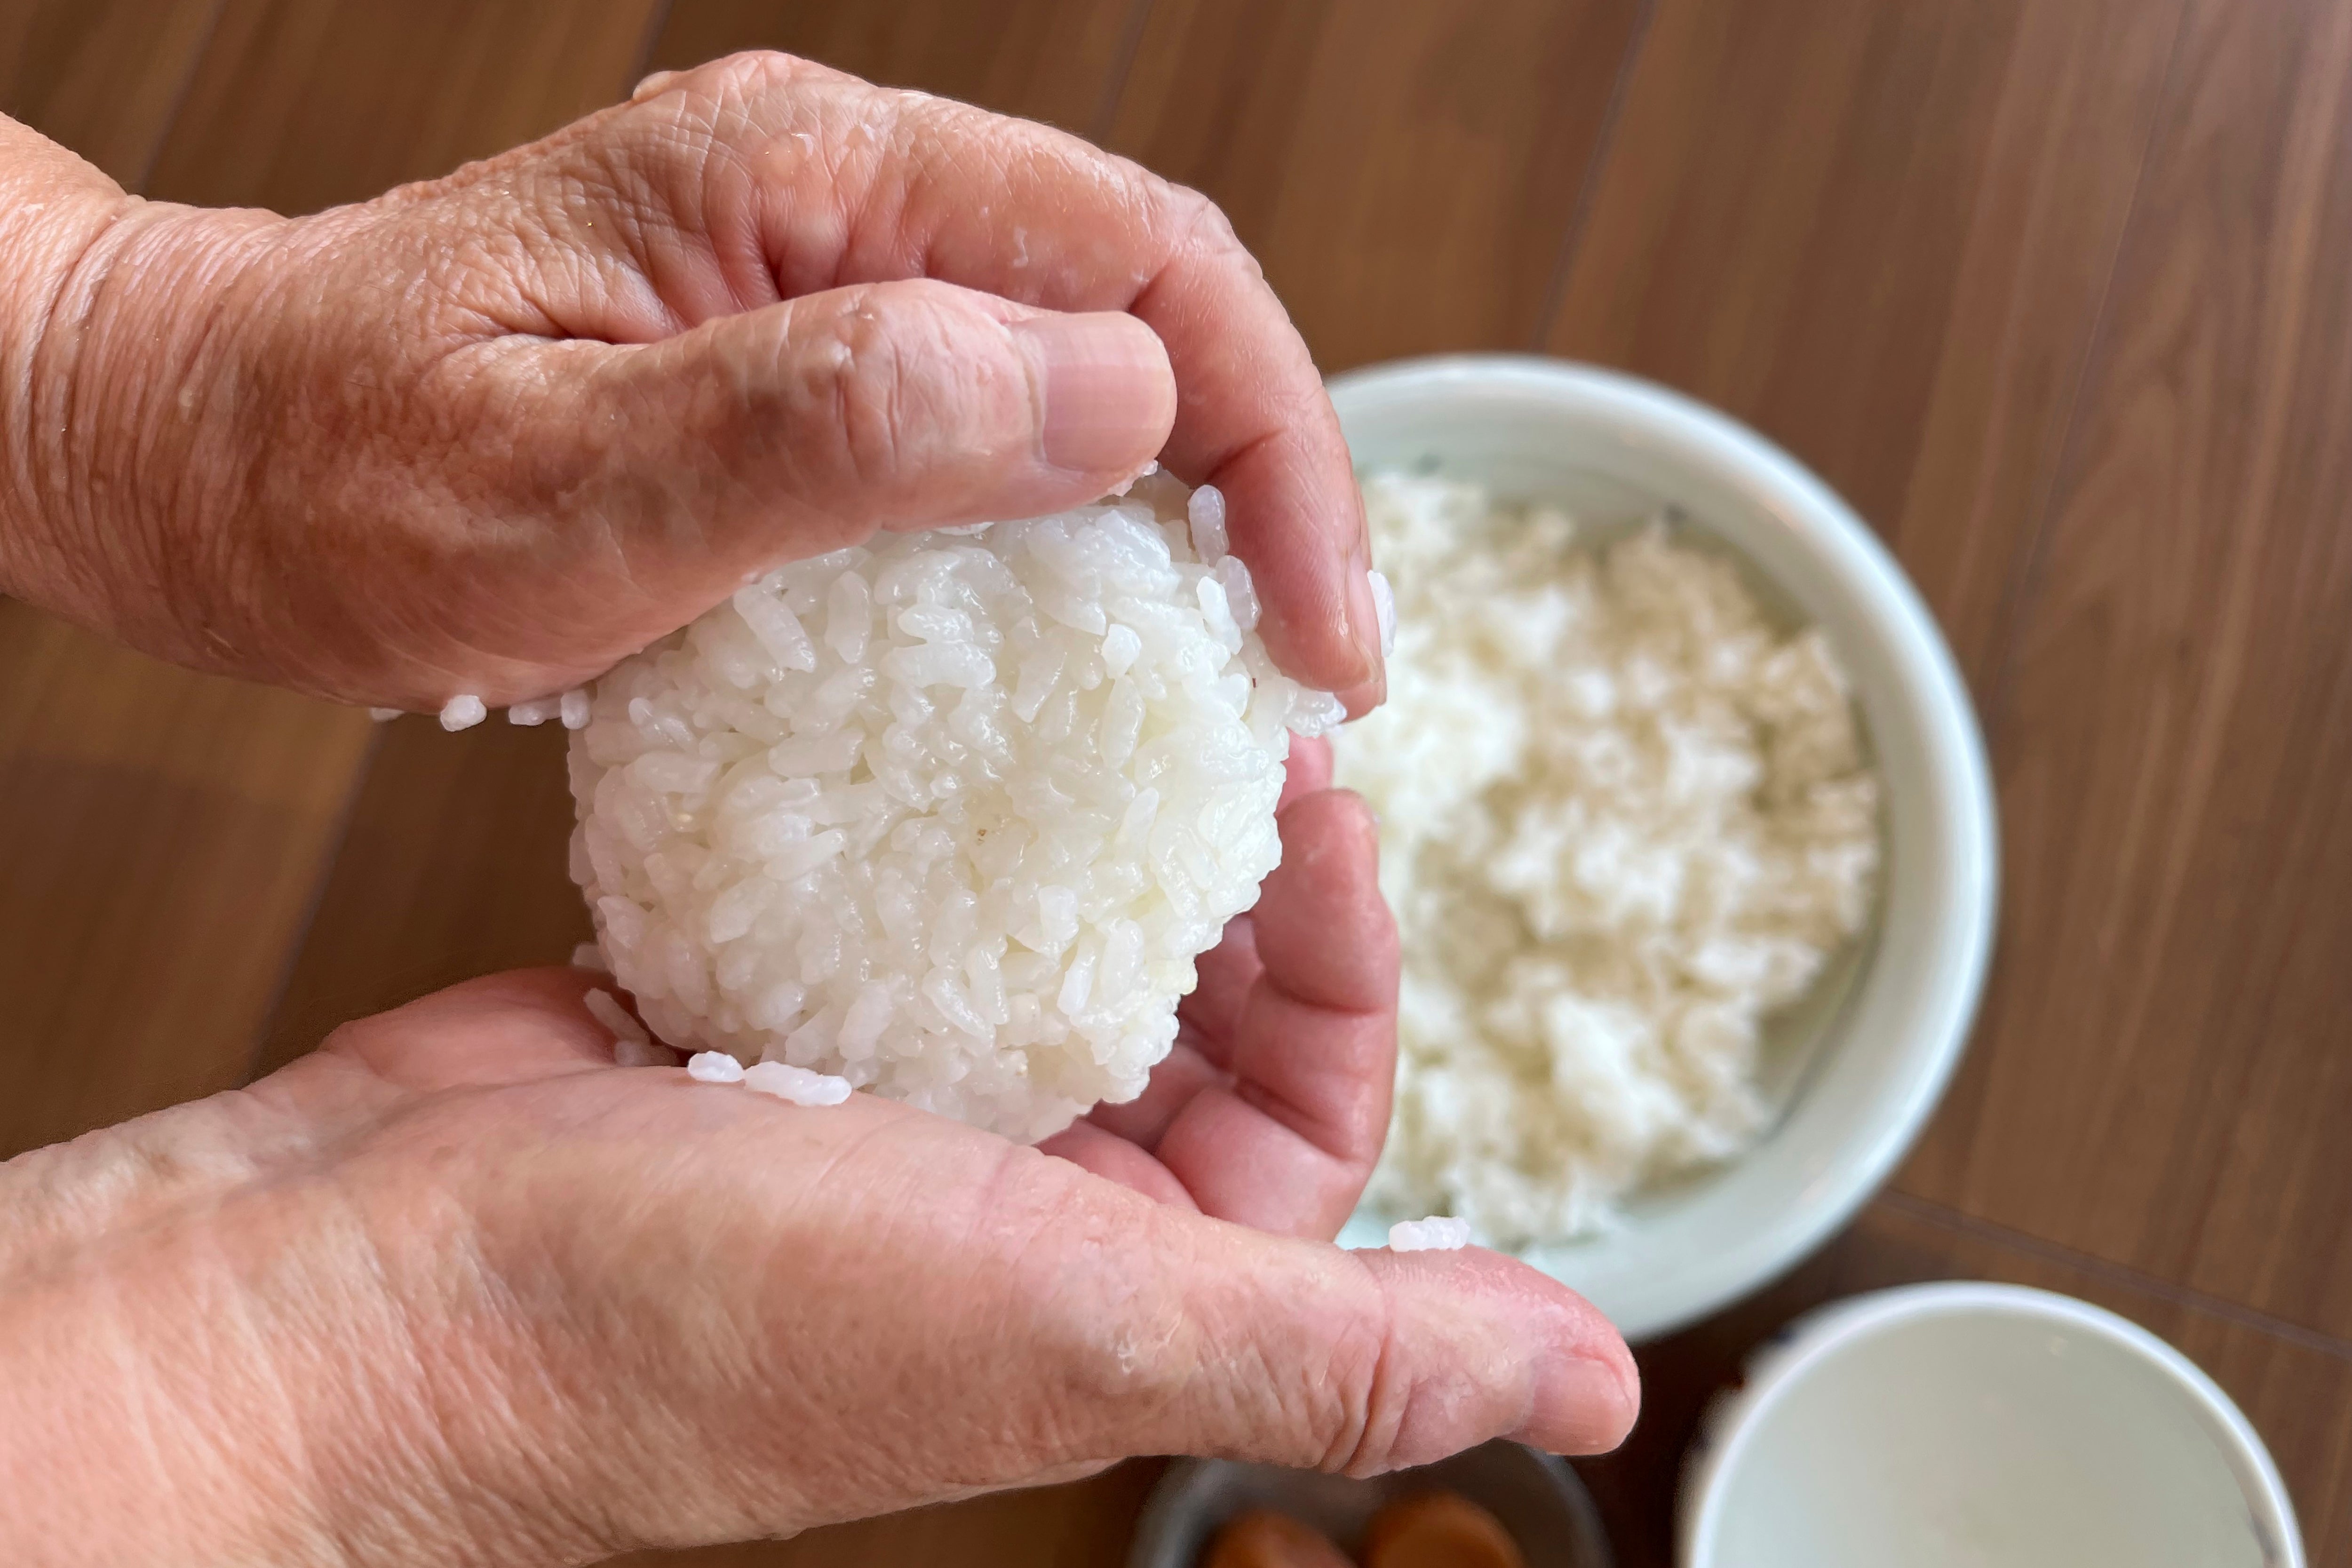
(1364, 623)
(1105, 392)
(1584, 1406)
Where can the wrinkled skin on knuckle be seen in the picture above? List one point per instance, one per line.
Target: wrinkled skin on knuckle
(734, 183)
(848, 395)
(1361, 1403)
(992, 1335)
(659, 202)
(857, 183)
(754, 74)
(1088, 1294)
(1032, 1343)
(1328, 1375)
(1196, 225)
(1174, 1344)
(884, 397)
(1312, 1369)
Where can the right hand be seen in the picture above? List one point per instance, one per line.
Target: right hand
(493, 433)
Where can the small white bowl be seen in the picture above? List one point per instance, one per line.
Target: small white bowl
(1937, 1425)
(1861, 1064)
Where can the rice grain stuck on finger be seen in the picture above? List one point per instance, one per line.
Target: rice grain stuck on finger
(1438, 1233)
(947, 815)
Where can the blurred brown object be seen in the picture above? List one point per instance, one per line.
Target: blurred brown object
(1439, 1530)
(1265, 1539)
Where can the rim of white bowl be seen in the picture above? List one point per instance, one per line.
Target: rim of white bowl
(1930, 678)
(1818, 1336)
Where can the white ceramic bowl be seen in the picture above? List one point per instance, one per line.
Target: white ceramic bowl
(1860, 1064)
(1950, 1424)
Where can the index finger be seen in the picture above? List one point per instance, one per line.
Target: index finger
(782, 181)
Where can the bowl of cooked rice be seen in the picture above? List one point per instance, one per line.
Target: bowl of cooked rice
(1687, 821)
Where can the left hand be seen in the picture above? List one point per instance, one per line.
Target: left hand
(456, 1289)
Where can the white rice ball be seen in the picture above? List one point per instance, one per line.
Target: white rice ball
(948, 815)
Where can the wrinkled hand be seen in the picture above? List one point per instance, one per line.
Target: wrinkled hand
(456, 1289)
(492, 433)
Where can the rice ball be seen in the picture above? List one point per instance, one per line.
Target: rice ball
(946, 815)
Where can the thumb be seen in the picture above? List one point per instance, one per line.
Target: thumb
(977, 1317)
(791, 430)
(1298, 1354)
(647, 481)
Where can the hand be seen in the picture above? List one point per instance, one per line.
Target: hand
(492, 433)
(456, 1289)
(1271, 1109)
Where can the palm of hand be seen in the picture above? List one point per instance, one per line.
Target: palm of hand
(457, 1272)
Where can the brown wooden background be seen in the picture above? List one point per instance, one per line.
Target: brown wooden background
(2058, 292)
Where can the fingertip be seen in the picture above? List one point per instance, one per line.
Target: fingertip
(1586, 1400)
(1322, 818)
(1363, 630)
(1297, 519)
(1581, 1389)
(1307, 771)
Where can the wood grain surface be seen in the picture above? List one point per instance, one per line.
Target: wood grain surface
(104, 77)
(1061, 61)
(1880, 233)
(301, 104)
(162, 836)
(1407, 185)
(2169, 1040)
(2057, 294)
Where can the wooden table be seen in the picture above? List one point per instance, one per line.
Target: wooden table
(2057, 292)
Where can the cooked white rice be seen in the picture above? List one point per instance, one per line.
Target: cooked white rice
(606, 1009)
(797, 1085)
(1624, 820)
(947, 816)
(714, 1067)
(1438, 1233)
